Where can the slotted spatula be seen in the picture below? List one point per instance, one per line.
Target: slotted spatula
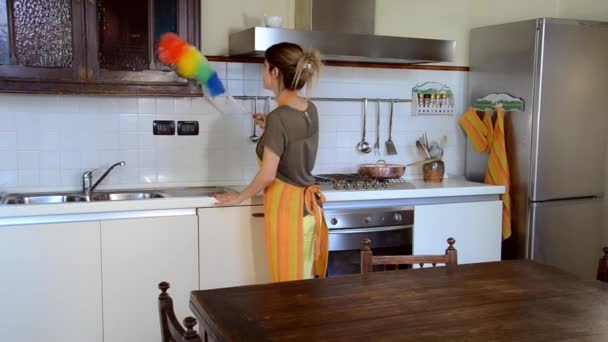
(390, 146)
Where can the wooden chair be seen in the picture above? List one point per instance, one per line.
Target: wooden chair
(171, 330)
(602, 267)
(368, 260)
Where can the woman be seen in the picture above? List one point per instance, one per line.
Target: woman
(296, 232)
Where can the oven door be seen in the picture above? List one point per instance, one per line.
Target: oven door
(345, 246)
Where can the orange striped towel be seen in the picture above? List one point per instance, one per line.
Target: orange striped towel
(486, 138)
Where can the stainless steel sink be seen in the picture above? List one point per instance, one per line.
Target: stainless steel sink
(203, 191)
(42, 199)
(114, 195)
(125, 196)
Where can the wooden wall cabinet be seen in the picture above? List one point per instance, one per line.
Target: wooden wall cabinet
(93, 46)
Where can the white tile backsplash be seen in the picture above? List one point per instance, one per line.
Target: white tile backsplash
(183, 106)
(8, 140)
(252, 71)
(129, 141)
(128, 123)
(49, 178)
(146, 105)
(49, 140)
(165, 105)
(8, 121)
(50, 160)
(8, 161)
(28, 160)
(70, 159)
(28, 178)
(220, 68)
(234, 71)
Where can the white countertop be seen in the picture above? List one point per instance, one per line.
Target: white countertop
(452, 187)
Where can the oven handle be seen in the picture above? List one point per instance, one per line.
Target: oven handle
(368, 230)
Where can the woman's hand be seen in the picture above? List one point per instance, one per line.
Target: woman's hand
(260, 120)
(229, 198)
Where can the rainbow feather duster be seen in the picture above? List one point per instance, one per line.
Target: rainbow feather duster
(189, 62)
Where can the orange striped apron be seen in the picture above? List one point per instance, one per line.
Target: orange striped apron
(286, 228)
(489, 138)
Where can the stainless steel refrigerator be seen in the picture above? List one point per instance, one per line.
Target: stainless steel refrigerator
(556, 146)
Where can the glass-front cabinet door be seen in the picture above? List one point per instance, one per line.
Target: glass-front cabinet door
(122, 38)
(41, 40)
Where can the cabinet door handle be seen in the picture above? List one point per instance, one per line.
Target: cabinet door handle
(257, 214)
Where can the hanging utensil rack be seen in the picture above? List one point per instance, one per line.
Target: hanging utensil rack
(334, 99)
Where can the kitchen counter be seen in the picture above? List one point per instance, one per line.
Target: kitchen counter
(449, 188)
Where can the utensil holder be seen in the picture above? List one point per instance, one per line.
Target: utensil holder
(433, 171)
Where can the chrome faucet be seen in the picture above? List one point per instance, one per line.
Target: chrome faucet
(87, 179)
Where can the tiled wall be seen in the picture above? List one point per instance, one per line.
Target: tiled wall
(47, 141)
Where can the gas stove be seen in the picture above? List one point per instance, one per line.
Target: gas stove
(353, 181)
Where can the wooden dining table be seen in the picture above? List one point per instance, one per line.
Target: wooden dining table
(516, 300)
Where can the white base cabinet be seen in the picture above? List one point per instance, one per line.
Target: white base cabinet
(97, 281)
(51, 282)
(137, 254)
(476, 227)
(232, 247)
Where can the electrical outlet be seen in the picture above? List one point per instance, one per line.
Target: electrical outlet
(187, 128)
(163, 127)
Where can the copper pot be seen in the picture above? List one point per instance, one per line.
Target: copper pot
(382, 170)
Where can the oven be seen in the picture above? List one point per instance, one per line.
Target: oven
(389, 229)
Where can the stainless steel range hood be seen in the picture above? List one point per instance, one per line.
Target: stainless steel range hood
(327, 34)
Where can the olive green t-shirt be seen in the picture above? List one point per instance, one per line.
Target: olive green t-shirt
(293, 135)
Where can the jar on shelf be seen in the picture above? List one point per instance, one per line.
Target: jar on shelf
(433, 171)
(420, 100)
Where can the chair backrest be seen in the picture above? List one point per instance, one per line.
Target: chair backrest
(368, 260)
(171, 330)
(602, 267)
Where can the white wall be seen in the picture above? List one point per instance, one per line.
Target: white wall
(47, 141)
(584, 9)
(448, 19)
(445, 19)
(222, 17)
(441, 19)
